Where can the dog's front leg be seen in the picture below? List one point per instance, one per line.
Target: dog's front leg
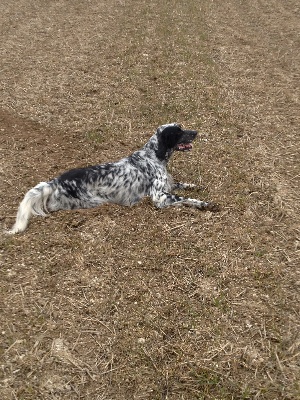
(164, 199)
(182, 186)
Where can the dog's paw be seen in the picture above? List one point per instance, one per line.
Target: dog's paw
(213, 207)
(191, 186)
(200, 188)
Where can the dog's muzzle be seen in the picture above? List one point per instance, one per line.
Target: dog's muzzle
(186, 142)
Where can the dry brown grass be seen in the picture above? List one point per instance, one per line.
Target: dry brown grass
(140, 303)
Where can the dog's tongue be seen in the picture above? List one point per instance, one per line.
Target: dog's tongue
(187, 146)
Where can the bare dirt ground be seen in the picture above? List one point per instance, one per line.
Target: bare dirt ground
(138, 303)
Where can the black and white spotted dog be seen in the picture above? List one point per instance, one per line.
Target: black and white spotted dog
(124, 182)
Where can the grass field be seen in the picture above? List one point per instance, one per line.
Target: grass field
(137, 303)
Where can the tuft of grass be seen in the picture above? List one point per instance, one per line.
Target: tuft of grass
(96, 136)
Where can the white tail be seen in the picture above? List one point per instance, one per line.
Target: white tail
(34, 203)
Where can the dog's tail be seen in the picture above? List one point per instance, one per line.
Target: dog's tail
(34, 203)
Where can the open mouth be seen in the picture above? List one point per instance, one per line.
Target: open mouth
(184, 147)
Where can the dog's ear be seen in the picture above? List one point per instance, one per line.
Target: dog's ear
(170, 135)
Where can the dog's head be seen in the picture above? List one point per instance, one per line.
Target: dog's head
(172, 137)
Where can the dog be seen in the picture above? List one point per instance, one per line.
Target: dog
(125, 182)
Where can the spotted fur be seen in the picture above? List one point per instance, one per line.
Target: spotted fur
(125, 182)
